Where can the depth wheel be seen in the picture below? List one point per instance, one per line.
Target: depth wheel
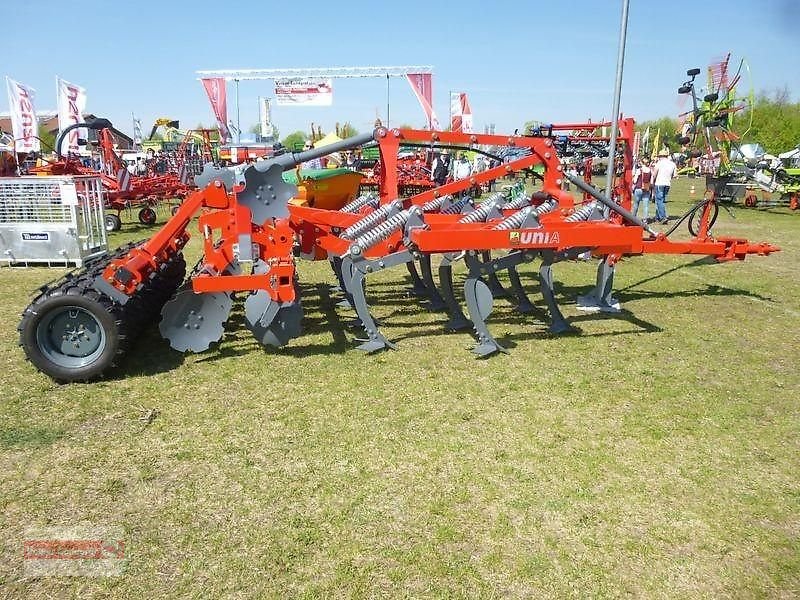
(72, 334)
(751, 200)
(147, 216)
(113, 223)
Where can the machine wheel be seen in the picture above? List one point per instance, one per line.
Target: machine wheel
(175, 209)
(113, 223)
(147, 216)
(694, 218)
(72, 333)
(751, 200)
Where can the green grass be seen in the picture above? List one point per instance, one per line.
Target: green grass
(656, 454)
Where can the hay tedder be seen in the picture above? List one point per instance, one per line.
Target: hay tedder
(78, 327)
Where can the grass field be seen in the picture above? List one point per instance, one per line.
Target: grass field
(655, 454)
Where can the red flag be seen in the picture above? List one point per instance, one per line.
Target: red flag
(422, 85)
(460, 113)
(215, 88)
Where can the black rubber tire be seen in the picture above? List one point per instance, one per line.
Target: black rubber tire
(694, 219)
(105, 313)
(147, 216)
(113, 222)
(175, 209)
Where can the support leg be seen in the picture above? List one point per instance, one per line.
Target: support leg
(457, 322)
(524, 305)
(418, 286)
(558, 323)
(436, 302)
(600, 298)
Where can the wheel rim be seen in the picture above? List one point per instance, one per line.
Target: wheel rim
(71, 337)
(147, 216)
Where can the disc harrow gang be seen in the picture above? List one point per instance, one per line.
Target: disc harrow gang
(80, 326)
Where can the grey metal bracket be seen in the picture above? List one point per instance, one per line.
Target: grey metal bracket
(359, 268)
(600, 298)
(458, 321)
(558, 323)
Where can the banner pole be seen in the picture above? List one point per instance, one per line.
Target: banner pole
(387, 100)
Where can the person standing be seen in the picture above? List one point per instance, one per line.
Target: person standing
(440, 168)
(462, 168)
(663, 172)
(642, 185)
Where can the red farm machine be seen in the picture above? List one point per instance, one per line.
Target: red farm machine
(124, 190)
(77, 328)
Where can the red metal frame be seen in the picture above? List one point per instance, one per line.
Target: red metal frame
(223, 222)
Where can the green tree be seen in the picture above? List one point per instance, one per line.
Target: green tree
(775, 122)
(294, 141)
(48, 139)
(669, 129)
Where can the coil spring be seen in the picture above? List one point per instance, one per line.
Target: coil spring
(545, 207)
(480, 213)
(383, 231)
(582, 214)
(370, 220)
(355, 205)
(518, 203)
(516, 220)
(457, 206)
(434, 204)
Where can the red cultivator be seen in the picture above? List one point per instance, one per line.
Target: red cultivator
(75, 329)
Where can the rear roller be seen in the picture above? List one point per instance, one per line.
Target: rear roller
(73, 333)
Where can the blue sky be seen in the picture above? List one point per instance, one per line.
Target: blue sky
(546, 60)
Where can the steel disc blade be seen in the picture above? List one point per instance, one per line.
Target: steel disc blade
(260, 309)
(285, 325)
(192, 322)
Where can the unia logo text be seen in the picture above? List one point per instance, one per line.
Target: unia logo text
(529, 237)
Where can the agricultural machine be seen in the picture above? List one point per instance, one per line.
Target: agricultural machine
(122, 189)
(77, 328)
(732, 170)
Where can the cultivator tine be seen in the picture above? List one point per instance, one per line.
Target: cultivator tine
(435, 302)
(558, 324)
(418, 285)
(458, 321)
(600, 298)
(479, 300)
(524, 304)
(358, 267)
